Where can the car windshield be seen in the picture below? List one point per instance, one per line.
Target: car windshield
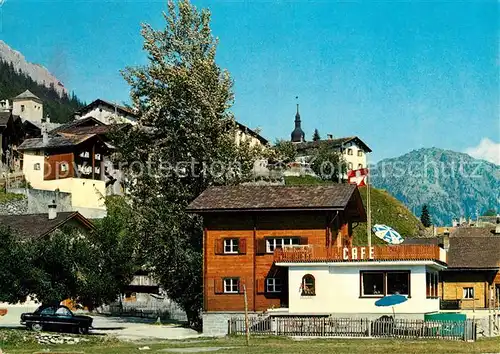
(46, 311)
(63, 311)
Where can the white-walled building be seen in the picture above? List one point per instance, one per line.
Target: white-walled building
(28, 106)
(107, 112)
(70, 163)
(244, 133)
(350, 283)
(353, 149)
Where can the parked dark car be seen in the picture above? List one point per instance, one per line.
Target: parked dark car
(56, 318)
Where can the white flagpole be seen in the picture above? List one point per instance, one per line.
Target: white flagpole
(368, 207)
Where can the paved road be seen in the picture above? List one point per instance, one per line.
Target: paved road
(125, 328)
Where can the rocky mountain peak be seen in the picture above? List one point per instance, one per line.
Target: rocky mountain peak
(37, 72)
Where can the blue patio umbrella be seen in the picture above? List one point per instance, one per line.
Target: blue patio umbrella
(391, 300)
(388, 234)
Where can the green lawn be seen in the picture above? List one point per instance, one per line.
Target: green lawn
(22, 342)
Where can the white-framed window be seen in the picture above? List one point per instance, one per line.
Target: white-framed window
(231, 285)
(278, 242)
(468, 293)
(349, 151)
(273, 285)
(360, 165)
(349, 165)
(360, 153)
(36, 166)
(22, 108)
(231, 245)
(64, 167)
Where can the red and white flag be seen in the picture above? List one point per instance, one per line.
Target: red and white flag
(358, 177)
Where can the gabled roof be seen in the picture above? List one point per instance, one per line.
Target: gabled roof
(55, 141)
(38, 125)
(422, 241)
(262, 198)
(97, 130)
(85, 122)
(334, 143)
(38, 225)
(474, 252)
(4, 118)
(469, 247)
(473, 232)
(27, 95)
(122, 109)
(253, 133)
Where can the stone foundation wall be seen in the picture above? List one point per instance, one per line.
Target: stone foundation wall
(216, 324)
(14, 207)
(38, 200)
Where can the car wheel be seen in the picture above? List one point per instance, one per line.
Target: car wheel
(83, 330)
(37, 327)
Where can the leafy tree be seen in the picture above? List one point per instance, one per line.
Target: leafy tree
(15, 268)
(91, 268)
(490, 212)
(328, 163)
(425, 217)
(114, 260)
(316, 136)
(184, 98)
(283, 151)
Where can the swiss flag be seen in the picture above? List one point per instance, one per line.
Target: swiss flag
(357, 177)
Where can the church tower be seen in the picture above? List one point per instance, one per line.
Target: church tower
(28, 106)
(297, 135)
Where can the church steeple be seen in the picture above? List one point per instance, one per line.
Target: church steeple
(297, 135)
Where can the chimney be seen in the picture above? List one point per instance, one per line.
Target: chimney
(52, 210)
(497, 228)
(446, 239)
(45, 133)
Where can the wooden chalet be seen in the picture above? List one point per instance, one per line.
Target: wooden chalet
(292, 249)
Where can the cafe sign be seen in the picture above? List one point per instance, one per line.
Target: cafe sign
(358, 253)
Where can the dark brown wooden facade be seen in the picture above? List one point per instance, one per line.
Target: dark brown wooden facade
(84, 160)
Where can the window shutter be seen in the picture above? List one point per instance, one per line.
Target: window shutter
(219, 246)
(218, 286)
(261, 246)
(261, 285)
(304, 241)
(242, 246)
(241, 282)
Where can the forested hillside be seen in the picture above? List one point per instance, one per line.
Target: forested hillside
(385, 208)
(59, 108)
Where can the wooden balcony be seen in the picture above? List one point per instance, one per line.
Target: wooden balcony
(313, 254)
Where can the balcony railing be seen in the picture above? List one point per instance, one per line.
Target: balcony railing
(312, 253)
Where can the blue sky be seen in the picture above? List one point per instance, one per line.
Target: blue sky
(400, 75)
